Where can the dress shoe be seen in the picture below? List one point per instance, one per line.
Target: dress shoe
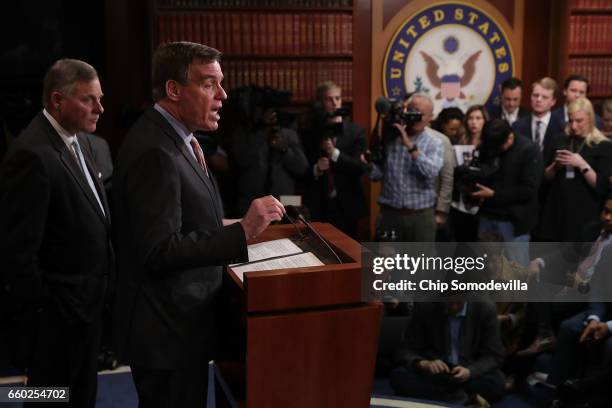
(539, 345)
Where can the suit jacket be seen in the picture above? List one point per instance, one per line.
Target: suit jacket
(428, 337)
(55, 241)
(172, 248)
(555, 126)
(264, 170)
(101, 155)
(516, 186)
(496, 113)
(559, 116)
(347, 172)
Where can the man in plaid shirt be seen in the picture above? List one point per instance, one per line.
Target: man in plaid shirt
(412, 163)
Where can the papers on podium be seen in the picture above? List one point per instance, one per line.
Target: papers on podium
(276, 254)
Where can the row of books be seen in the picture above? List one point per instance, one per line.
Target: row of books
(243, 34)
(591, 4)
(299, 77)
(257, 3)
(590, 33)
(598, 71)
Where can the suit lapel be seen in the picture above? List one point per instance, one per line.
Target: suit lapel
(68, 159)
(180, 145)
(88, 156)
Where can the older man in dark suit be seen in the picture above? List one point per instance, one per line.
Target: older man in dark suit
(55, 235)
(172, 236)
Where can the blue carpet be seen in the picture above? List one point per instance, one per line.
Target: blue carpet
(116, 390)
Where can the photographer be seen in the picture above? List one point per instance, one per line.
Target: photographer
(269, 158)
(409, 167)
(334, 192)
(509, 195)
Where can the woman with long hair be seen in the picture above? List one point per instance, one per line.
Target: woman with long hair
(450, 123)
(475, 119)
(463, 217)
(578, 174)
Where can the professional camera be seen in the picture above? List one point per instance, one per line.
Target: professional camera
(390, 112)
(249, 105)
(479, 170)
(394, 112)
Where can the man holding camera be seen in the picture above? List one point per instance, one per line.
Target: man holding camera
(334, 146)
(412, 161)
(510, 195)
(269, 158)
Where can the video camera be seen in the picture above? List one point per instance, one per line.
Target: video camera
(479, 170)
(390, 111)
(394, 112)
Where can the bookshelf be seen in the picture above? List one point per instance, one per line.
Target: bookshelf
(286, 44)
(588, 44)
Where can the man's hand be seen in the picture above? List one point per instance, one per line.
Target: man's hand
(594, 331)
(323, 164)
(461, 374)
(260, 214)
(327, 146)
(533, 271)
(405, 138)
(441, 218)
(277, 142)
(483, 192)
(434, 366)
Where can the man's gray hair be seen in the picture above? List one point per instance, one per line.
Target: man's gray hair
(420, 95)
(62, 76)
(171, 61)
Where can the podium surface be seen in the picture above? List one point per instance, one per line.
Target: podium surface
(310, 340)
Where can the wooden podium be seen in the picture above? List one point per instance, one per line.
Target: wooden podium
(310, 340)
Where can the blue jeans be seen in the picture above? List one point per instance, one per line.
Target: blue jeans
(517, 246)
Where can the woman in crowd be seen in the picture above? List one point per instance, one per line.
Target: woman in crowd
(475, 119)
(463, 218)
(578, 174)
(450, 123)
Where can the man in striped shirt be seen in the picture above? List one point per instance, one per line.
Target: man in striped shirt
(412, 163)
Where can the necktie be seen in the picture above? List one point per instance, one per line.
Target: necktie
(587, 266)
(81, 161)
(538, 134)
(199, 154)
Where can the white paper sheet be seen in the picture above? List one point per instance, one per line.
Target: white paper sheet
(288, 262)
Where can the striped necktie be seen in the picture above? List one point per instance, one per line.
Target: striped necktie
(199, 154)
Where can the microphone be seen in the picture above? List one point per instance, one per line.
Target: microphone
(292, 221)
(295, 213)
(382, 105)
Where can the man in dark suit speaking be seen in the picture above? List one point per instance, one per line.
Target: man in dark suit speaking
(173, 240)
(55, 236)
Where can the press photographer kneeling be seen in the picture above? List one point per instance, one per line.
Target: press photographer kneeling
(509, 195)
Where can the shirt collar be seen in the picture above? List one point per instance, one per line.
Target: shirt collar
(544, 119)
(178, 127)
(64, 134)
(507, 114)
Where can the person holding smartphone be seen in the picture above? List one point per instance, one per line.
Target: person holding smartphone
(578, 171)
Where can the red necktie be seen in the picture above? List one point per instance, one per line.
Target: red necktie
(199, 154)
